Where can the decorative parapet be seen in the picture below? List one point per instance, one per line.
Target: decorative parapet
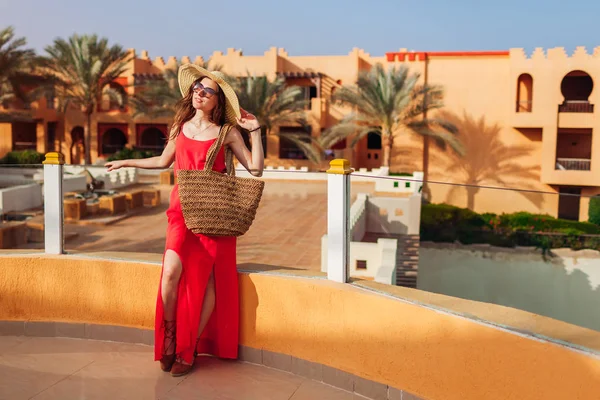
(555, 53)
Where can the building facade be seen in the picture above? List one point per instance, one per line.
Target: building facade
(527, 122)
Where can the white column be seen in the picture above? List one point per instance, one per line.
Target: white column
(53, 203)
(338, 216)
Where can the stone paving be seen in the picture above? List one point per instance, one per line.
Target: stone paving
(287, 230)
(73, 369)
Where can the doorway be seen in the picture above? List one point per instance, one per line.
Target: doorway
(569, 202)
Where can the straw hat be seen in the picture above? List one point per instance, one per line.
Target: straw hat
(189, 73)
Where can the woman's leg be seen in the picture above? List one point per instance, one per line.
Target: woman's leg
(171, 274)
(181, 367)
(208, 304)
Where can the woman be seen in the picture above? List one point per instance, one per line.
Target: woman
(197, 309)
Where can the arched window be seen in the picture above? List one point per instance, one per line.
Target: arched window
(113, 140)
(525, 93)
(576, 88)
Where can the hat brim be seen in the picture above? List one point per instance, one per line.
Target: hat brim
(190, 73)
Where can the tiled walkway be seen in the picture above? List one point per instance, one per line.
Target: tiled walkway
(72, 369)
(287, 231)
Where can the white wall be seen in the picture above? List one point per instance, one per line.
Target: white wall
(12, 176)
(21, 198)
(369, 213)
(24, 172)
(74, 183)
(566, 287)
(400, 184)
(358, 217)
(14, 180)
(396, 215)
(281, 173)
(375, 175)
(112, 180)
(380, 259)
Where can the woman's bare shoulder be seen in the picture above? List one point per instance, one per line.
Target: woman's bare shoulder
(233, 135)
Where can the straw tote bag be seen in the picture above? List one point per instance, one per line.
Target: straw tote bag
(218, 204)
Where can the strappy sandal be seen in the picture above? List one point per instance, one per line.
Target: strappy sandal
(179, 368)
(167, 360)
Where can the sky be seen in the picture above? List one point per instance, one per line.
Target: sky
(308, 27)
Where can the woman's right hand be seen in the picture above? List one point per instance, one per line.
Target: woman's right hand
(113, 165)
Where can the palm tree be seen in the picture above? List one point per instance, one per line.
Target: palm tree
(391, 103)
(158, 98)
(314, 148)
(18, 69)
(84, 67)
(274, 103)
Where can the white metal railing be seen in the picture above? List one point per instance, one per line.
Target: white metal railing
(576, 106)
(573, 164)
(338, 212)
(339, 224)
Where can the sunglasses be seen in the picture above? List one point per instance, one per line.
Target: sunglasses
(208, 92)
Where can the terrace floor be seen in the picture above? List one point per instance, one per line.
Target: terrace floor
(287, 231)
(71, 369)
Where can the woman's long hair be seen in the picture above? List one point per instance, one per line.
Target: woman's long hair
(184, 110)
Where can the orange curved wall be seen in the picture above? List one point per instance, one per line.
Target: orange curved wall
(429, 353)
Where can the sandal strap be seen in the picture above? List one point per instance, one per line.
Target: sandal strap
(169, 328)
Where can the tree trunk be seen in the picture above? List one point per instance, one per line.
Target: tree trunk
(426, 192)
(388, 145)
(471, 192)
(264, 137)
(87, 135)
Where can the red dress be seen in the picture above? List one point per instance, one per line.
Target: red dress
(199, 256)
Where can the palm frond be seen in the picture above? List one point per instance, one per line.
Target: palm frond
(19, 69)
(273, 102)
(115, 94)
(394, 102)
(83, 67)
(311, 147)
(440, 136)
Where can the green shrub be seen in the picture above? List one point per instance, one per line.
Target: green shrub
(594, 210)
(546, 223)
(128, 153)
(446, 223)
(24, 157)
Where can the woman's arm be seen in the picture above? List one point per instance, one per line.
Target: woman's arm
(162, 161)
(253, 160)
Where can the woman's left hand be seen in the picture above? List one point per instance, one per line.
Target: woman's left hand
(248, 121)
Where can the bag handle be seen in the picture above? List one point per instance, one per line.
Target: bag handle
(214, 150)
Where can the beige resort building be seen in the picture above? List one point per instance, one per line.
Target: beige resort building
(527, 122)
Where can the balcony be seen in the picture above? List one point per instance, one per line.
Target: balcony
(320, 336)
(573, 164)
(573, 150)
(371, 339)
(576, 106)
